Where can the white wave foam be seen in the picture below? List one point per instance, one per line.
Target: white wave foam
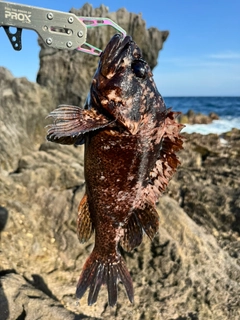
(217, 126)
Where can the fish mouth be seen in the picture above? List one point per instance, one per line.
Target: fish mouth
(117, 49)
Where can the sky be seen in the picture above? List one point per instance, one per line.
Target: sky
(201, 56)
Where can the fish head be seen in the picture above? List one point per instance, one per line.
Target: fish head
(123, 85)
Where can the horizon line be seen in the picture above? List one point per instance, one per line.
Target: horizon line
(201, 96)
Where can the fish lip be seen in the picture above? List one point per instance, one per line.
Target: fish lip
(112, 56)
(118, 43)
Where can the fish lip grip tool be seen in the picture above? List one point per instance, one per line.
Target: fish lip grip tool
(91, 22)
(60, 30)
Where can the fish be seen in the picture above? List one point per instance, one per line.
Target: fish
(131, 142)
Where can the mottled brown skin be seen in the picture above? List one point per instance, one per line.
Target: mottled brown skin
(131, 141)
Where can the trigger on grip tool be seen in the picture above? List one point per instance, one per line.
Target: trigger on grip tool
(15, 38)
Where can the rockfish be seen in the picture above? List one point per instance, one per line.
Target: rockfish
(131, 140)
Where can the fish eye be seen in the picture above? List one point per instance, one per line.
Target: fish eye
(139, 68)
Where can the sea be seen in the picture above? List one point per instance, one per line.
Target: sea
(227, 108)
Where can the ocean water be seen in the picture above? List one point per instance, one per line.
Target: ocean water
(227, 108)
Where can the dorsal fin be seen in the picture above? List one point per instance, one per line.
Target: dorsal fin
(167, 161)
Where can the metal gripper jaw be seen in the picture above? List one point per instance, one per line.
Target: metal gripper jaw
(60, 30)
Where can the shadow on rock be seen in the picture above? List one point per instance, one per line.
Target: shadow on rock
(3, 300)
(19, 300)
(3, 218)
(40, 284)
(4, 306)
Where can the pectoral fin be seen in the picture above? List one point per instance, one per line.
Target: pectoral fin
(72, 122)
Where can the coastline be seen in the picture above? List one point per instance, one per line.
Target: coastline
(219, 127)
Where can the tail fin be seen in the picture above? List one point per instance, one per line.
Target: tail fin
(96, 272)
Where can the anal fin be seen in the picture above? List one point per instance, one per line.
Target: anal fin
(133, 233)
(149, 220)
(146, 220)
(84, 222)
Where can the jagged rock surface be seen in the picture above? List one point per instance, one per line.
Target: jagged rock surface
(21, 299)
(68, 73)
(23, 108)
(207, 186)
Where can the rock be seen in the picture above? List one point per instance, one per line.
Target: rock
(62, 71)
(19, 299)
(207, 184)
(213, 116)
(197, 118)
(192, 261)
(23, 108)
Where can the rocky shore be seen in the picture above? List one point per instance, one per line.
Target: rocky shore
(197, 118)
(191, 271)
